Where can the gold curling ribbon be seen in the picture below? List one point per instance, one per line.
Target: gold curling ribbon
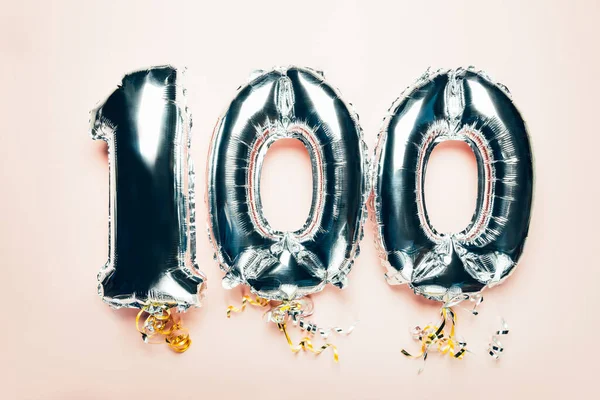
(434, 336)
(279, 315)
(160, 326)
(306, 345)
(258, 301)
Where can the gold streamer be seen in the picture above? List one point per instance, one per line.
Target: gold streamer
(281, 313)
(258, 301)
(434, 336)
(160, 326)
(306, 345)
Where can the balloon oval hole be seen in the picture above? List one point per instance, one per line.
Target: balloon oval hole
(286, 185)
(451, 186)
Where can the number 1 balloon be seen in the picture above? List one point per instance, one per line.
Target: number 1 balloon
(461, 104)
(151, 259)
(281, 268)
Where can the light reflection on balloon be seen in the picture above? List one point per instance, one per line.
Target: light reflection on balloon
(152, 251)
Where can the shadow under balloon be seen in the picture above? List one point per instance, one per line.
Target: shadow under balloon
(126, 315)
(408, 294)
(100, 150)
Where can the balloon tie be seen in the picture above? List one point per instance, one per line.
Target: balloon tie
(160, 326)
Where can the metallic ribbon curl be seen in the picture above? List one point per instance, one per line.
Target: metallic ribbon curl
(495, 348)
(435, 336)
(297, 310)
(294, 310)
(306, 345)
(258, 301)
(160, 326)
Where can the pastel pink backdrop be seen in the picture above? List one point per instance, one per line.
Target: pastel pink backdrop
(59, 341)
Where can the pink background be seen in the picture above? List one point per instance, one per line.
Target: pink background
(59, 341)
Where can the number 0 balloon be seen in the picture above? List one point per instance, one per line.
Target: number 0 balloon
(283, 267)
(450, 267)
(151, 259)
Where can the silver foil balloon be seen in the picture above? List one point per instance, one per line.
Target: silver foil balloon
(287, 103)
(461, 104)
(151, 257)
